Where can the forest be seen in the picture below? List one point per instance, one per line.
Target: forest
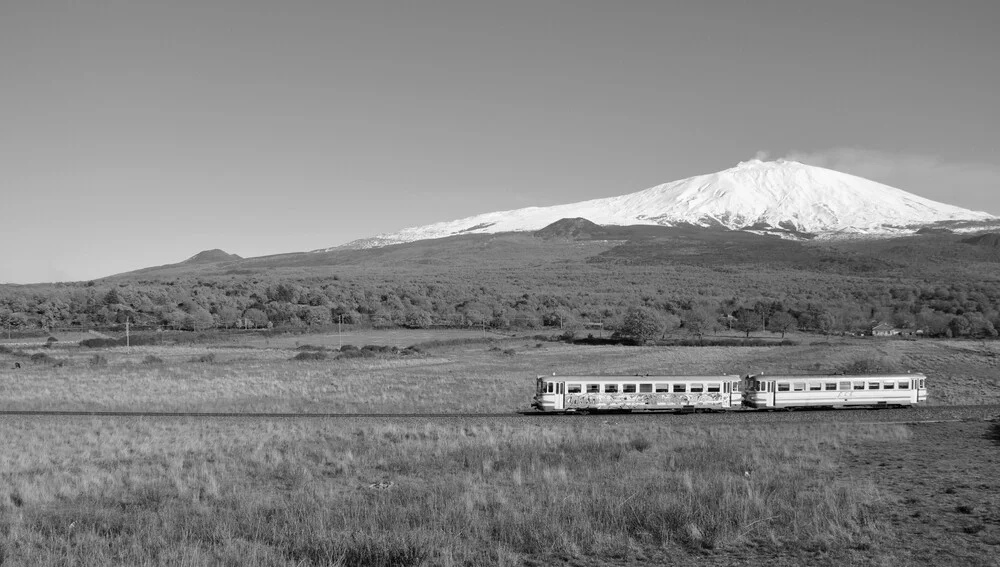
(684, 282)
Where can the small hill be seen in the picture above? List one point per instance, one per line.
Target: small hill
(575, 229)
(211, 257)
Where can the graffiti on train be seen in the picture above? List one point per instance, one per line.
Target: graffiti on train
(650, 400)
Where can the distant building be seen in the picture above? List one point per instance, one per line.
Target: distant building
(884, 330)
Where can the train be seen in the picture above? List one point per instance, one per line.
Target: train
(728, 392)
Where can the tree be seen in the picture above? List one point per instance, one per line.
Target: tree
(748, 320)
(227, 316)
(559, 317)
(641, 324)
(255, 318)
(782, 322)
(198, 319)
(417, 319)
(315, 315)
(175, 318)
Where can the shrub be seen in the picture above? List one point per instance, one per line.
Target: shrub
(151, 359)
(207, 357)
(42, 358)
(640, 443)
(311, 348)
(100, 343)
(368, 351)
(310, 355)
(98, 360)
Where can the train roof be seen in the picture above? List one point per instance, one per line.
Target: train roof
(764, 376)
(639, 377)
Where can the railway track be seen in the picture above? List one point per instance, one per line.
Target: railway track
(924, 414)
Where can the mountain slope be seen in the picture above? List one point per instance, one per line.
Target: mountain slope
(772, 197)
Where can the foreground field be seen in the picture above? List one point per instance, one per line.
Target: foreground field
(198, 492)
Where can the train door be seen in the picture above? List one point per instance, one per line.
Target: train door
(560, 396)
(735, 395)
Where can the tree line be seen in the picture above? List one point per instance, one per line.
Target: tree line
(643, 309)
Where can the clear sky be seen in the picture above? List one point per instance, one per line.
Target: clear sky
(136, 133)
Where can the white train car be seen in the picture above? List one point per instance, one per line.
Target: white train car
(834, 390)
(584, 394)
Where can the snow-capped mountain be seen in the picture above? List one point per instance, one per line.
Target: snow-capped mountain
(774, 196)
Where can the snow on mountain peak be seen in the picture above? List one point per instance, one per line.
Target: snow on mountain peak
(754, 195)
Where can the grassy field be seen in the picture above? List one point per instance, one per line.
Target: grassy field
(485, 376)
(182, 491)
(91, 491)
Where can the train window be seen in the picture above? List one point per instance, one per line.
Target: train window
(799, 386)
(573, 388)
(660, 388)
(782, 386)
(874, 385)
(736, 386)
(859, 385)
(697, 388)
(904, 384)
(714, 387)
(628, 388)
(888, 385)
(611, 388)
(593, 388)
(845, 385)
(815, 386)
(645, 388)
(922, 383)
(680, 388)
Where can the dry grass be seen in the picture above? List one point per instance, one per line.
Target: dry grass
(471, 377)
(195, 492)
(88, 491)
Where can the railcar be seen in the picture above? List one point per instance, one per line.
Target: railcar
(834, 390)
(585, 394)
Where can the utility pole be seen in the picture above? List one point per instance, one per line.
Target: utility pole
(128, 344)
(340, 337)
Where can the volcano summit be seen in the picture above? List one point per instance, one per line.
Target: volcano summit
(778, 197)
